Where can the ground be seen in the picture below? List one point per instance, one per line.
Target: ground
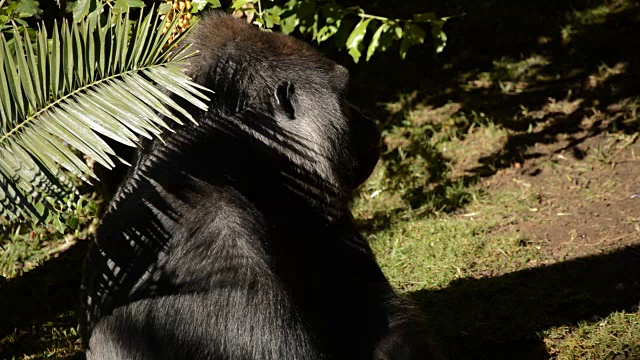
(506, 203)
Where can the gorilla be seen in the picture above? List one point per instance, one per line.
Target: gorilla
(232, 238)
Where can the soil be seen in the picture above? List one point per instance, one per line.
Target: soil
(587, 202)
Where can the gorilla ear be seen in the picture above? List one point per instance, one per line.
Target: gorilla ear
(285, 98)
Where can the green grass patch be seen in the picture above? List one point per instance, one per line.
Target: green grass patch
(613, 337)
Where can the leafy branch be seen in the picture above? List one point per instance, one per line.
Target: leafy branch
(63, 94)
(325, 19)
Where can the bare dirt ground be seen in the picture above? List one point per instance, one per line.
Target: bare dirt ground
(588, 196)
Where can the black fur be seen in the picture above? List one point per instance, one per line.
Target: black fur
(232, 239)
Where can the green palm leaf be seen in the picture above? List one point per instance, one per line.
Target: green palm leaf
(58, 92)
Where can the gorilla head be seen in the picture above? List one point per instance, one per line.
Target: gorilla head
(292, 100)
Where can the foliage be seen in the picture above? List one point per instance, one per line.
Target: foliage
(320, 20)
(324, 19)
(69, 90)
(81, 8)
(14, 13)
(66, 87)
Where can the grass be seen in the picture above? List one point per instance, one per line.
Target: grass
(505, 203)
(502, 204)
(54, 339)
(39, 287)
(612, 337)
(481, 281)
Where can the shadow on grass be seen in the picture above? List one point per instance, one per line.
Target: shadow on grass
(488, 318)
(44, 298)
(583, 53)
(500, 317)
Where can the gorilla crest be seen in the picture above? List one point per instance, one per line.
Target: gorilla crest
(232, 238)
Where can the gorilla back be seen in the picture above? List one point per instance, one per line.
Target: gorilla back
(232, 239)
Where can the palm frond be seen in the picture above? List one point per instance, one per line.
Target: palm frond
(58, 92)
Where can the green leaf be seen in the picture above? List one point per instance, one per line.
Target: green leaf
(162, 75)
(358, 33)
(73, 222)
(238, 4)
(214, 3)
(199, 5)
(63, 125)
(196, 6)
(388, 37)
(67, 57)
(164, 7)
(354, 42)
(79, 8)
(124, 5)
(137, 123)
(25, 73)
(27, 8)
(101, 123)
(344, 30)
(157, 94)
(439, 36)
(375, 40)
(270, 19)
(78, 57)
(412, 35)
(59, 225)
(13, 79)
(88, 82)
(136, 44)
(398, 32)
(10, 8)
(288, 24)
(333, 18)
(288, 13)
(307, 15)
(120, 54)
(309, 25)
(60, 153)
(88, 40)
(54, 61)
(6, 106)
(42, 50)
(135, 4)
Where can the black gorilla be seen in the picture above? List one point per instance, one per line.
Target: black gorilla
(232, 239)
